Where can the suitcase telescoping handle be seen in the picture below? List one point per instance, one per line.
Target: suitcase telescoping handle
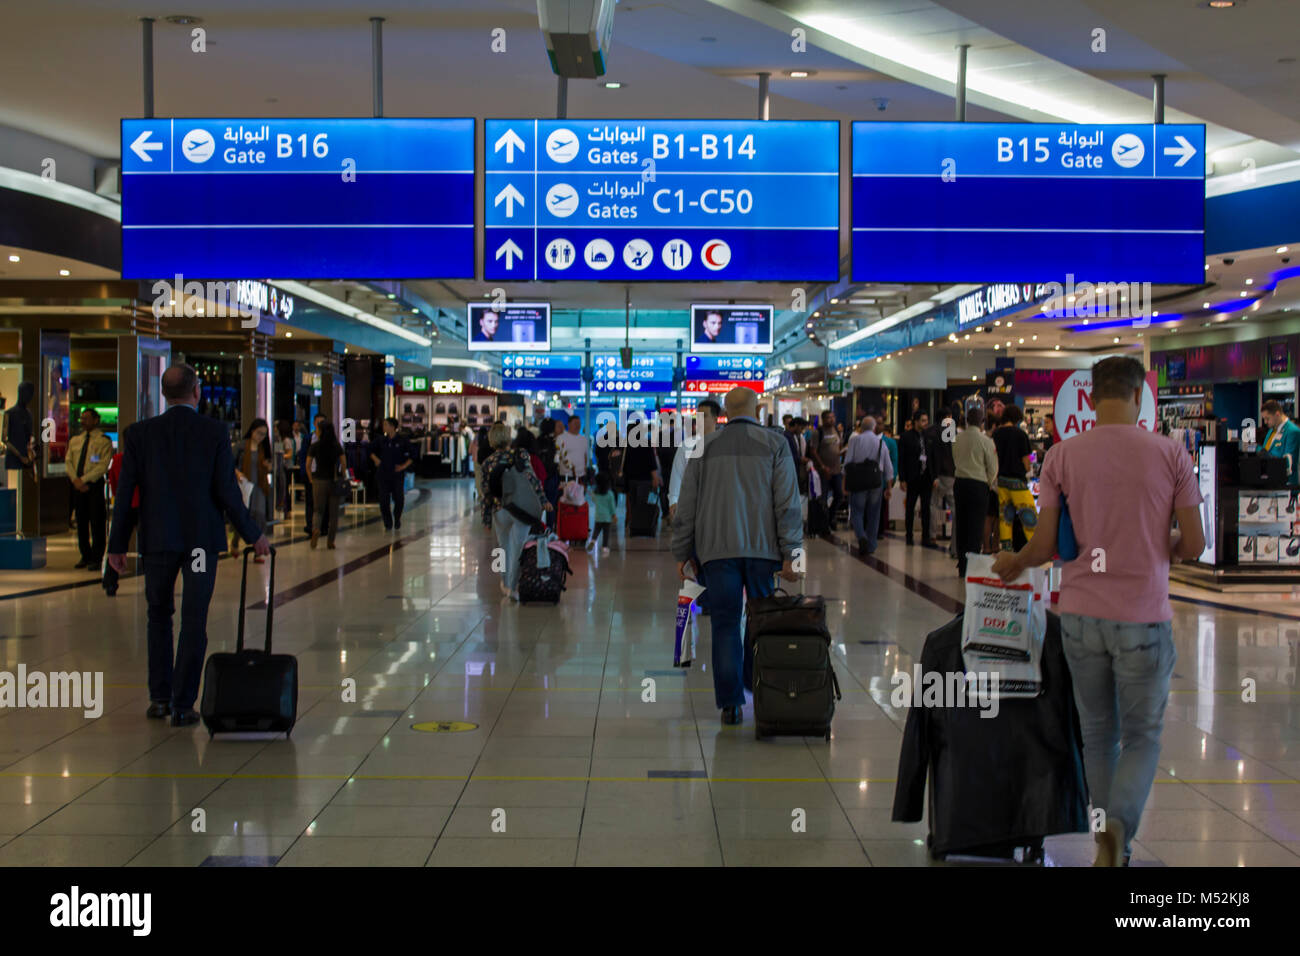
(243, 597)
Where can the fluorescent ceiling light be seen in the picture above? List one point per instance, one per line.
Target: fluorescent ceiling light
(341, 307)
(459, 363)
(34, 185)
(919, 308)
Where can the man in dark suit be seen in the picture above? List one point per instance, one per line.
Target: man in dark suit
(181, 463)
(918, 476)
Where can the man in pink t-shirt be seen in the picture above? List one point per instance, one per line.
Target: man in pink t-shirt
(1122, 486)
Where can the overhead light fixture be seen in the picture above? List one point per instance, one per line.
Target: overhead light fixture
(13, 258)
(1205, 305)
(799, 74)
(391, 296)
(64, 272)
(1250, 282)
(1056, 348)
(1117, 339)
(612, 86)
(1221, 4)
(1282, 249)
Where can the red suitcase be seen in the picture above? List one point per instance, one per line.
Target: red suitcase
(572, 523)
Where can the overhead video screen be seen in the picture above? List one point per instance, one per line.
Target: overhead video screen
(731, 328)
(515, 327)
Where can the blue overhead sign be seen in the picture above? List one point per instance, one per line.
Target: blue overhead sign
(298, 198)
(531, 372)
(658, 200)
(725, 368)
(649, 373)
(1001, 202)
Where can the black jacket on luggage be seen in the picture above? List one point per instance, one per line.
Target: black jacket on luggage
(995, 780)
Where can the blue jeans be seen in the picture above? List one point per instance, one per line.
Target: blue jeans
(730, 579)
(864, 516)
(511, 536)
(1121, 677)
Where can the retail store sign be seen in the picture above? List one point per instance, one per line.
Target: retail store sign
(1280, 386)
(835, 386)
(448, 388)
(993, 300)
(1073, 409)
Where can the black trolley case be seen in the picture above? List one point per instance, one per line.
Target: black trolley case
(250, 691)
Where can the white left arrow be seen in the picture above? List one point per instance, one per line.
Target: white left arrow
(510, 195)
(510, 251)
(1184, 150)
(142, 147)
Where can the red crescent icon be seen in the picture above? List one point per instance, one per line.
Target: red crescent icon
(708, 252)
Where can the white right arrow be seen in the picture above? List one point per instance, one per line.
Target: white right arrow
(510, 251)
(141, 144)
(1184, 149)
(511, 196)
(511, 141)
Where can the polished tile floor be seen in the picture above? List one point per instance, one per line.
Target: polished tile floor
(568, 762)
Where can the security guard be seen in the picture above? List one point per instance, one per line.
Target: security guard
(391, 456)
(90, 452)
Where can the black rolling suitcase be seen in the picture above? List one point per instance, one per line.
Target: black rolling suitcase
(795, 687)
(643, 519)
(250, 691)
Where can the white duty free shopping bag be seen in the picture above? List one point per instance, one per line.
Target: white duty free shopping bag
(1003, 619)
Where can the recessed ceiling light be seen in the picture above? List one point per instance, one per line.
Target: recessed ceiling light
(1282, 249)
(1056, 347)
(997, 322)
(1022, 341)
(1221, 4)
(972, 378)
(1155, 314)
(288, 335)
(1207, 267)
(15, 258)
(64, 272)
(799, 74)
(1205, 305)
(1117, 338)
(612, 85)
(1250, 282)
(1008, 325)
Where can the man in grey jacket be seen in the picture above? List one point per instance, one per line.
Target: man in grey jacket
(739, 511)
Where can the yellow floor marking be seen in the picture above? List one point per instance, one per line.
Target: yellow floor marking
(531, 779)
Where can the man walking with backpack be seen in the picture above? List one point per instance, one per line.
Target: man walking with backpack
(868, 472)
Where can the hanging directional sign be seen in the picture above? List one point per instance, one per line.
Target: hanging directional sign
(659, 200)
(1000, 202)
(531, 372)
(725, 368)
(298, 198)
(649, 373)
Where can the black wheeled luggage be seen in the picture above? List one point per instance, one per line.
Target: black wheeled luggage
(795, 687)
(250, 691)
(643, 519)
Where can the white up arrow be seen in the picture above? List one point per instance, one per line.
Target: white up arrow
(142, 147)
(1184, 149)
(510, 251)
(511, 196)
(511, 141)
